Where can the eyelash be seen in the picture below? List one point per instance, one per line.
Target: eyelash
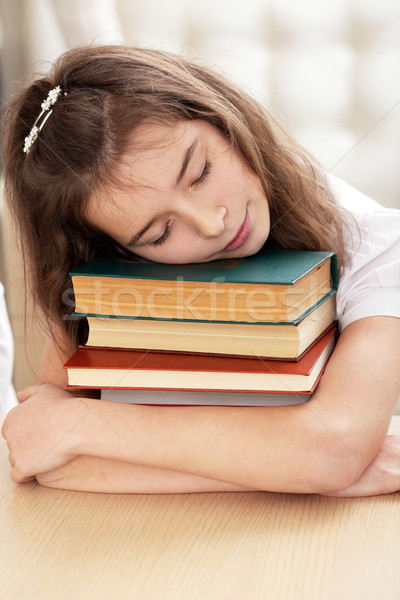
(164, 236)
(167, 230)
(203, 176)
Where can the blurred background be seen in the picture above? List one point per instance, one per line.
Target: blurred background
(329, 70)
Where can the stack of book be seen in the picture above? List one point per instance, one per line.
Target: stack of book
(246, 331)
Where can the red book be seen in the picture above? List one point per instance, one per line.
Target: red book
(139, 369)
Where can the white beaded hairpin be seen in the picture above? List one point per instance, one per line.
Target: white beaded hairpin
(46, 105)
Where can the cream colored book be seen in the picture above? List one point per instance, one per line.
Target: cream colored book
(282, 341)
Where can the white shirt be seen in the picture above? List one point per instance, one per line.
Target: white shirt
(7, 394)
(370, 284)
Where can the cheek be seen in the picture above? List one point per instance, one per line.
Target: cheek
(229, 190)
(241, 182)
(180, 255)
(184, 248)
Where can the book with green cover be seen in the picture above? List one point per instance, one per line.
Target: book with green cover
(272, 286)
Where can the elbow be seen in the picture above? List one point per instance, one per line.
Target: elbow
(338, 473)
(342, 458)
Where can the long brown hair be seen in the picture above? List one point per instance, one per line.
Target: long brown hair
(106, 93)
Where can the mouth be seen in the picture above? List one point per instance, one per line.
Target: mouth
(241, 236)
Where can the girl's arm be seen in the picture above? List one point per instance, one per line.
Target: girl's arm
(93, 474)
(321, 446)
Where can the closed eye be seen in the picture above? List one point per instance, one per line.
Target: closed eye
(204, 174)
(164, 235)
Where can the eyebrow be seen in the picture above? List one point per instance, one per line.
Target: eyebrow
(185, 162)
(186, 159)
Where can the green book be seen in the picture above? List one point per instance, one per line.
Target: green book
(273, 286)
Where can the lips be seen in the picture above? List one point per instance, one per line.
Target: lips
(241, 236)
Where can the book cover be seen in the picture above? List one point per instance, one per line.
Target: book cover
(271, 286)
(275, 267)
(105, 368)
(184, 398)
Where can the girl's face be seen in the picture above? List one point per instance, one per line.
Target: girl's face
(185, 196)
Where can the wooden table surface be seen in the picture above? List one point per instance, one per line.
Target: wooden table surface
(70, 545)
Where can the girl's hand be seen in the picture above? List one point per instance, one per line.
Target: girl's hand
(40, 431)
(382, 476)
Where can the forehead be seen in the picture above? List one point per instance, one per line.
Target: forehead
(148, 167)
(154, 150)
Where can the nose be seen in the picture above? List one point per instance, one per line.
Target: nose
(208, 222)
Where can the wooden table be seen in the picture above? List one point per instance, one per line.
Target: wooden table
(70, 545)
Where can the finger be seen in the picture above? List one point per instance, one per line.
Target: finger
(27, 479)
(3, 429)
(10, 459)
(19, 477)
(26, 393)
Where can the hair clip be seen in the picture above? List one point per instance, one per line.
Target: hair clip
(46, 105)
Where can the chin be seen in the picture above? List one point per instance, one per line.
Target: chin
(253, 249)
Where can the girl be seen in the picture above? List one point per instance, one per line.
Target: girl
(142, 154)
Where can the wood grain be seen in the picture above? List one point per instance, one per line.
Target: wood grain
(67, 545)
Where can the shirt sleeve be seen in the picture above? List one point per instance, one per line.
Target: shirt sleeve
(370, 283)
(7, 394)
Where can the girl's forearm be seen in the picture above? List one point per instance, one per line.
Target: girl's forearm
(93, 474)
(219, 443)
(321, 446)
